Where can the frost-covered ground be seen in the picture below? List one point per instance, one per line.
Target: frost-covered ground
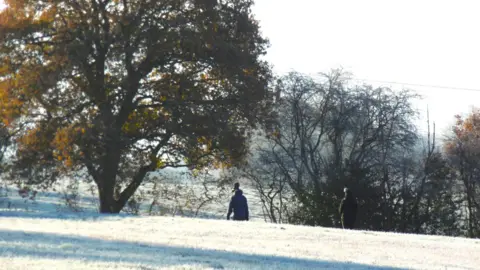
(43, 234)
(123, 242)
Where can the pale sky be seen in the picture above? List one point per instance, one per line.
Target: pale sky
(416, 42)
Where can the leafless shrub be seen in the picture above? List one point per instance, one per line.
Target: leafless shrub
(185, 198)
(71, 197)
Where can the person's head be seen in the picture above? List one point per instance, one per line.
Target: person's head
(236, 186)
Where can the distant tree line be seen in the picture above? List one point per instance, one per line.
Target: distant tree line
(330, 133)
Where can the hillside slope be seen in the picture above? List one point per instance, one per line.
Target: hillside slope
(122, 242)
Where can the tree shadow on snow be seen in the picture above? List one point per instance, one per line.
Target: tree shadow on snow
(86, 216)
(19, 244)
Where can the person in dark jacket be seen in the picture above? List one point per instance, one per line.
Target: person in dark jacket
(348, 209)
(239, 206)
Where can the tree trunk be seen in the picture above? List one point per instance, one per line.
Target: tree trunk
(108, 204)
(107, 181)
(111, 204)
(470, 213)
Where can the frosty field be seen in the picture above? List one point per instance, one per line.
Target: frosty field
(118, 242)
(39, 236)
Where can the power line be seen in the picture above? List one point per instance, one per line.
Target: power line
(422, 85)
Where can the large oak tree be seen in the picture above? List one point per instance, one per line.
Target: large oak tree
(120, 88)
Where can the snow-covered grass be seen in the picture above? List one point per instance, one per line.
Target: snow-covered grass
(123, 242)
(36, 235)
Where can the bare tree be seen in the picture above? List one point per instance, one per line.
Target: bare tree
(330, 134)
(269, 182)
(427, 200)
